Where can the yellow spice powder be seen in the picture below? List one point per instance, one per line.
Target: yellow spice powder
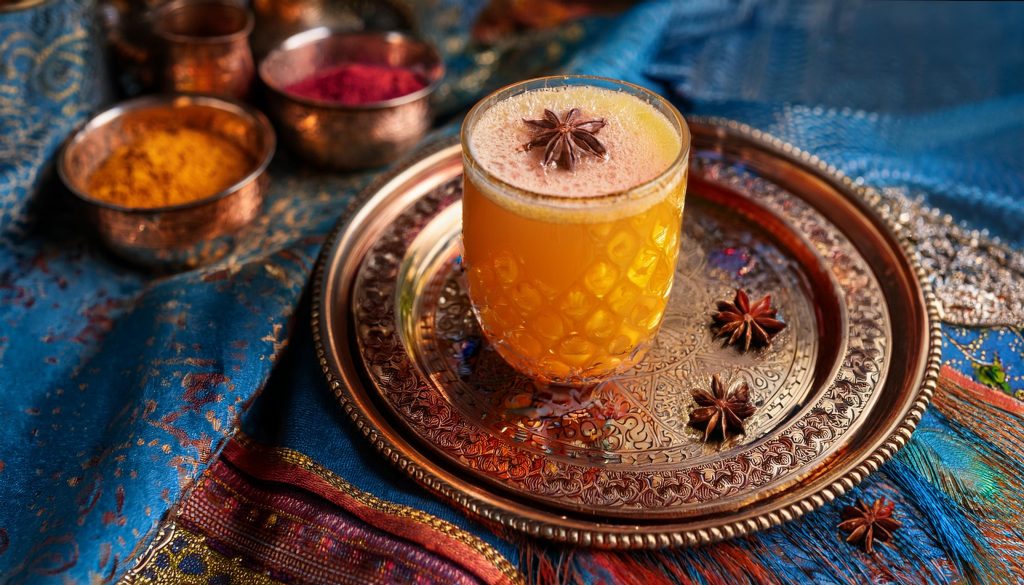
(169, 167)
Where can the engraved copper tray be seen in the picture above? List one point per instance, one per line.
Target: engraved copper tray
(836, 394)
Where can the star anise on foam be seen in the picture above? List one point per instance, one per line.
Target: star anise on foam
(567, 139)
(752, 323)
(721, 410)
(867, 524)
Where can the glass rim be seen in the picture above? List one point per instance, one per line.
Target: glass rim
(662, 104)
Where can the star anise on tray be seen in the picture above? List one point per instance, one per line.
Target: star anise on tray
(566, 139)
(753, 324)
(869, 524)
(721, 410)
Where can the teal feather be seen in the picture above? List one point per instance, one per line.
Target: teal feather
(955, 466)
(960, 538)
(949, 471)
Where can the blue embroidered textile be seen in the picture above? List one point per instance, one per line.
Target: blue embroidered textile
(117, 387)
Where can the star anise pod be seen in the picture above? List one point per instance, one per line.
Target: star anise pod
(566, 139)
(720, 409)
(867, 524)
(752, 323)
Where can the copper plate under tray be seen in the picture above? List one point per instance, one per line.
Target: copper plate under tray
(838, 392)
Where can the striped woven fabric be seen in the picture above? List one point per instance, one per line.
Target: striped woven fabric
(176, 428)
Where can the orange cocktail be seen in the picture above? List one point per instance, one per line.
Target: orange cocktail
(570, 269)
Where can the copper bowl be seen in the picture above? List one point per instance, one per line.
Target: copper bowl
(349, 136)
(177, 236)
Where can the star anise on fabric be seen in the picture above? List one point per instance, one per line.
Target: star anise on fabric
(868, 524)
(721, 410)
(753, 324)
(566, 139)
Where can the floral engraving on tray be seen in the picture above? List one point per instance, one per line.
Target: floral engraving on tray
(640, 418)
(625, 448)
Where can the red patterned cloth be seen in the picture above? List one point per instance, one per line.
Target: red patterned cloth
(287, 519)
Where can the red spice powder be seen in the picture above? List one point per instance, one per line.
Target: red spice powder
(358, 83)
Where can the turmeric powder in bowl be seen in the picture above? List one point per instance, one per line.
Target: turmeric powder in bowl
(169, 166)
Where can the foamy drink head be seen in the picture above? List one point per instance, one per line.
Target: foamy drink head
(641, 142)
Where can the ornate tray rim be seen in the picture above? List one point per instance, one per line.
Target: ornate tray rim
(615, 536)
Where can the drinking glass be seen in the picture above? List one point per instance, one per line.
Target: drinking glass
(572, 290)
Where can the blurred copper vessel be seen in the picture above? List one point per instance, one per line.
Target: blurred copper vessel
(178, 236)
(277, 20)
(349, 136)
(205, 47)
(17, 5)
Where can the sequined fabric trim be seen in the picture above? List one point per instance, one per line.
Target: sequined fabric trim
(976, 277)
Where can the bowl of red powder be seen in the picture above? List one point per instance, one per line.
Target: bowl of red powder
(351, 100)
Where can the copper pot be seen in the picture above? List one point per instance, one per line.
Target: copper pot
(205, 47)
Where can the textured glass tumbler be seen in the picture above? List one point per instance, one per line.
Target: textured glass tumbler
(572, 290)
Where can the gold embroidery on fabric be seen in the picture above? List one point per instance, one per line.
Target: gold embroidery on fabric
(58, 72)
(179, 557)
(291, 457)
